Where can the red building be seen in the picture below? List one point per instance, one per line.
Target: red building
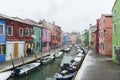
(18, 37)
(97, 37)
(105, 34)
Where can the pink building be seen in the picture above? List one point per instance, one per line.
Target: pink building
(105, 34)
(46, 39)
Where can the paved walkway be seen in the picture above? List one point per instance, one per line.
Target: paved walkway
(98, 67)
(17, 62)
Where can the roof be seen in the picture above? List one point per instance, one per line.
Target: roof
(107, 15)
(32, 22)
(2, 16)
(114, 4)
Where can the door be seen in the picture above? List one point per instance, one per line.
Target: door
(15, 50)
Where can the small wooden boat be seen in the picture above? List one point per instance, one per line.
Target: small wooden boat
(5, 75)
(25, 68)
(48, 59)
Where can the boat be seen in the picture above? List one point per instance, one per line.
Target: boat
(50, 78)
(48, 59)
(19, 71)
(59, 54)
(66, 73)
(67, 50)
(5, 75)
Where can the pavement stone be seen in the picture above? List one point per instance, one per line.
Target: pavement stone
(98, 67)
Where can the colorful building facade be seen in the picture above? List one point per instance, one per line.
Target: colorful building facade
(18, 38)
(2, 40)
(46, 39)
(116, 32)
(92, 37)
(36, 46)
(105, 34)
(97, 36)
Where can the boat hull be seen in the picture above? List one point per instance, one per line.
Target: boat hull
(5, 75)
(20, 71)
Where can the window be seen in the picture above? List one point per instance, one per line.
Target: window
(26, 32)
(33, 32)
(115, 12)
(46, 34)
(39, 33)
(20, 32)
(44, 44)
(104, 21)
(10, 31)
(114, 29)
(103, 46)
(1, 49)
(1, 29)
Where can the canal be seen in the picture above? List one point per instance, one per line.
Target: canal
(47, 70)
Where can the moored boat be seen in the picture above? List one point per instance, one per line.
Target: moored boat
(5, 75)
(59, 54)
(48, 59)
(66, 73)
(25, 69)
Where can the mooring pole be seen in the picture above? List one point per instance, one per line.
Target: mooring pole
(12, 61)
(22, 59)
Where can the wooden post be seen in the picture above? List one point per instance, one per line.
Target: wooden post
(12, 61)
(22, 59)
(35, 56)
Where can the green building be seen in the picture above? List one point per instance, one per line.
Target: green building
(116, 32)
(86, 38)
(37, 31)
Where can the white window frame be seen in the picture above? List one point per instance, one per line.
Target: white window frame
(11, 31)
(3, 29)
(27, 33)
(19, 32)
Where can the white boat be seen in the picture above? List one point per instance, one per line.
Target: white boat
(59, 54)
(25, 68)
(48, 59)
(5, 75)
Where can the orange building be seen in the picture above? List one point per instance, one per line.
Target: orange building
(105, 34)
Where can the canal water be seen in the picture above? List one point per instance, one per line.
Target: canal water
(45, 71)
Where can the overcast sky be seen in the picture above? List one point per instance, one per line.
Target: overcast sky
(69, 14)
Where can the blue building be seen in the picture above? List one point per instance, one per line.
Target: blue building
(65, 40)
(2, 40)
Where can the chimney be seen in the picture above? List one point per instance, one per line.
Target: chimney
(54, 22)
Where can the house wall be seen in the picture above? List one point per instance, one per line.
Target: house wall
(16, 25)
(105, 39)
(3, 41)
(15, 44)
(97, 36)
(46, 39)
(116, 36)
(37, 40)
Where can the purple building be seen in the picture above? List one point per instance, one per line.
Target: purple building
(46, 39)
